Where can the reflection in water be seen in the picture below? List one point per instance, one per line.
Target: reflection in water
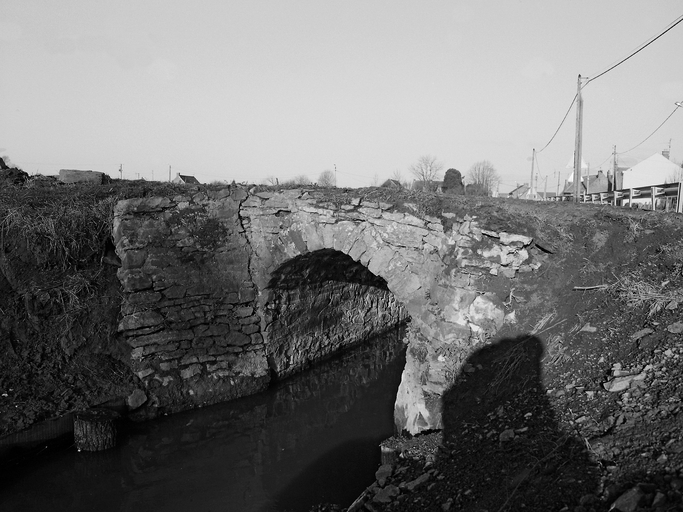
(311, 438)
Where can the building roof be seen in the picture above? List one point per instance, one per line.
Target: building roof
(187, 179)
(392, 183)
(654, 170)
(592, 184)
(520, 192)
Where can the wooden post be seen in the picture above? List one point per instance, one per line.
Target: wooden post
(95, 429)
(578, 143)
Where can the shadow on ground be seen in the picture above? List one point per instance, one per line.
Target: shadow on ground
(503, 448)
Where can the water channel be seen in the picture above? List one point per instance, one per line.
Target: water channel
(312, 438)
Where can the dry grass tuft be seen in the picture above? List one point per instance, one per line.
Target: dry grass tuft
(636, 291)
(510, 362)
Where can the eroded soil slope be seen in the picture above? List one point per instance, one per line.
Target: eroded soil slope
(576, 406)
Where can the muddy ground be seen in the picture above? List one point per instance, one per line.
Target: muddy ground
(575, 406)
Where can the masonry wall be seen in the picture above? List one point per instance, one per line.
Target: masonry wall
(189, 306)
(223, 288)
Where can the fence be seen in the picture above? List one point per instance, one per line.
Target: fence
(626, 196)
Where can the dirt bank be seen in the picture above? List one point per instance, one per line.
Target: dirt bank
(577, 406)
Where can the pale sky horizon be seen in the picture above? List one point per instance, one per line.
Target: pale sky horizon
(244, 90)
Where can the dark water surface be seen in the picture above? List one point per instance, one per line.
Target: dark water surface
(312, 438)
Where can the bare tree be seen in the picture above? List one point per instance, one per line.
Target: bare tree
(302, 179)
(271, 180)
(327, 179)
(483, 178)
(427, 170)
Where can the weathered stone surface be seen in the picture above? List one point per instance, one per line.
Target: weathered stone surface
(134, 280)
(136, 399)
(204, 269)
(140, 320)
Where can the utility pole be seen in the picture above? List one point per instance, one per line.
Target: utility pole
(559, 175)
(577, 147)
(545, 188)
(335, 175)
(532, 193)
(169, 174)
(121, 171)
(615, 169)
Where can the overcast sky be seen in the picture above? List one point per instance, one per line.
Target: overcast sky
(243, 90)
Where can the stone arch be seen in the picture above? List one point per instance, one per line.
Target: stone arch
(439, 276)
(319, 303)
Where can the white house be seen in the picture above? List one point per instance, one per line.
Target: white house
(655, 170)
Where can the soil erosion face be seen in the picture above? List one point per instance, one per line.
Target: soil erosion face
(574, 406)
(578, 405)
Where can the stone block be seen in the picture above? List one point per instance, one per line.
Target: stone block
(189, 359)
(488, 312)
(160, 338)
(251, 329)
(511, 239)
(202, 342)
(246, 294)
(144, 373)
(403, 235)
(139, 320)
(237, 338)
(133, 280)
(143, 298)
(244, 311)
(217, 330)
(190, 371)
(379, 262)
(253, 319)
(175, 292)
(221, 365)
(133, 258)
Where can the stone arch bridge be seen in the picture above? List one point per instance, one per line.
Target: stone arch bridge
(225, 288)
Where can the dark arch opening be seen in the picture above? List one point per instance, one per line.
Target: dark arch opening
(321, 303)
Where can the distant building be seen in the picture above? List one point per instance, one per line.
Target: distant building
(521, 192)
(591, 184)
(655, 170)
(392, 184)
(184, 179)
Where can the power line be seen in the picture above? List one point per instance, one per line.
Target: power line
(640, 48)
(558, 128)
(662, 124)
